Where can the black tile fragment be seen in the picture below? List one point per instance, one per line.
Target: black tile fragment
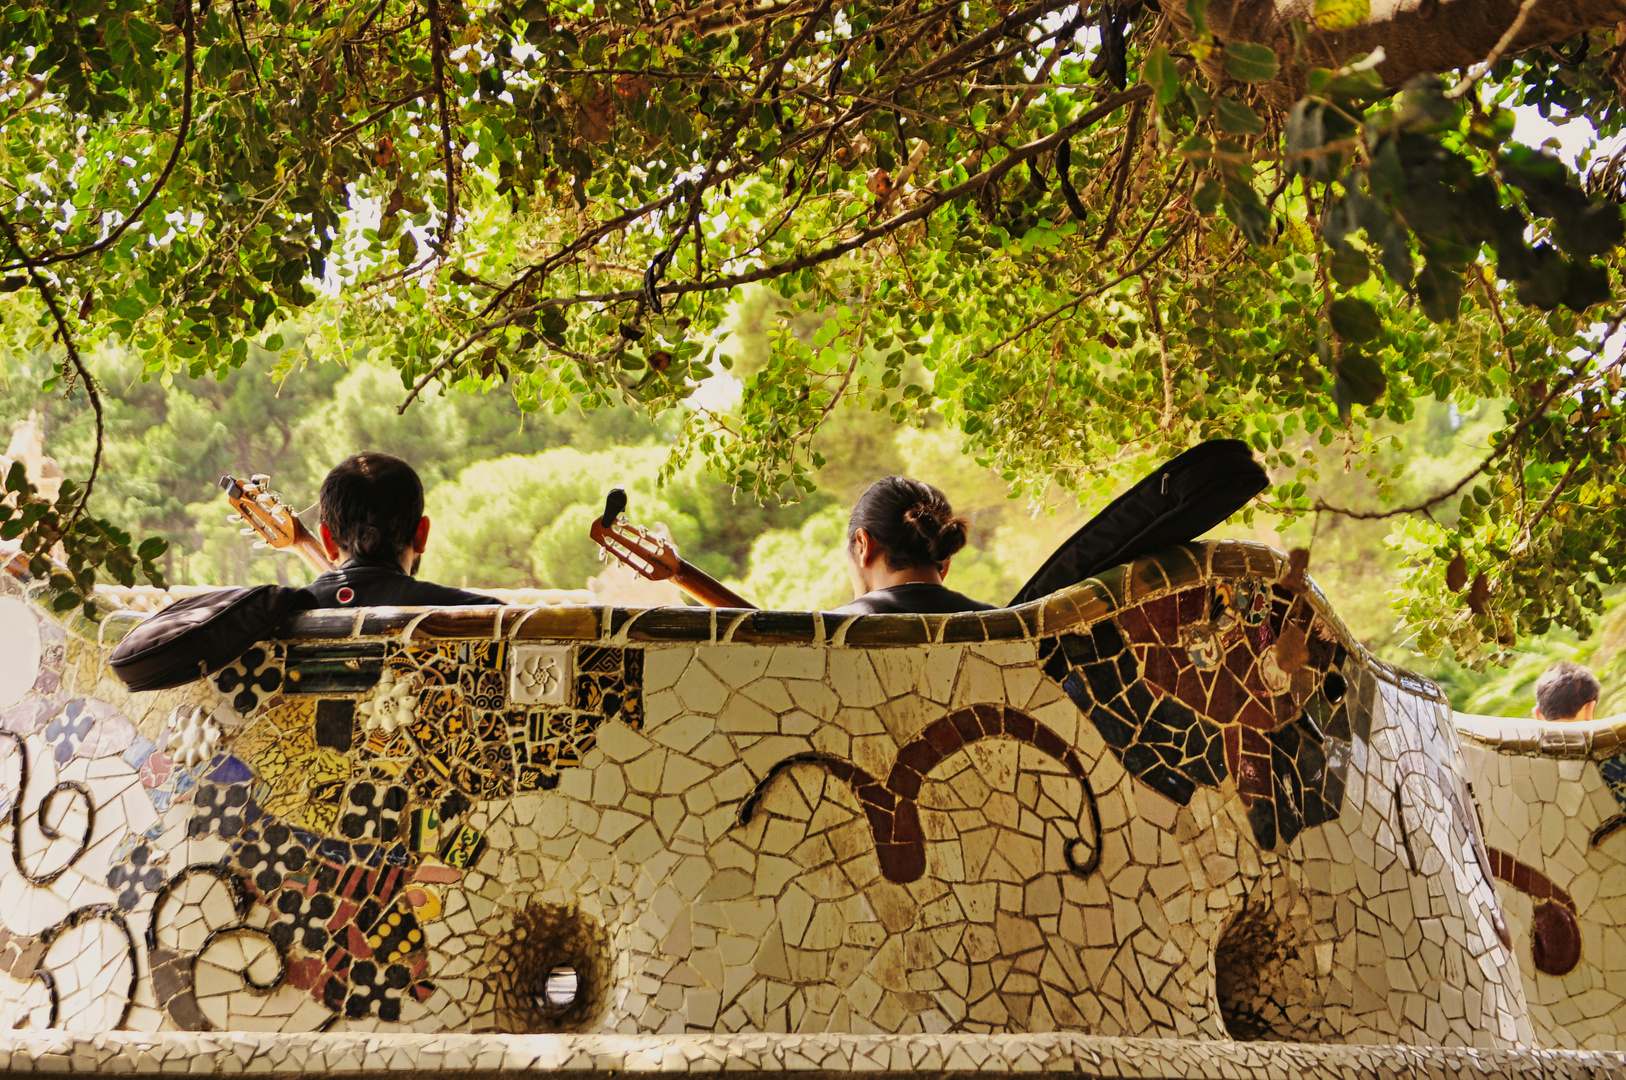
(1108, 642)
(1166, 781)
(1104, 682)
(1057, 667)
(335, 723)
(1080, 649)
(1262, 817)
(1139, 758)
(1139, 700)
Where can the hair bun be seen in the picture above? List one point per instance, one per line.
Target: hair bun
(942, 534)
(911, 520)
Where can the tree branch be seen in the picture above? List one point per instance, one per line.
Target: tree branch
(44, 289)
(182, 133)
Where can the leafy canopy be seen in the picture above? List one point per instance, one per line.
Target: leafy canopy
(1078, 233)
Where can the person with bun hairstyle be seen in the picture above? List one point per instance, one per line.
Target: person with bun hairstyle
(900, 540)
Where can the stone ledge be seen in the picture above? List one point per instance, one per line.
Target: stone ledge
(222, 1053)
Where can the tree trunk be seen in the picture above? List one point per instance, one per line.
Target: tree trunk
(1416, 36)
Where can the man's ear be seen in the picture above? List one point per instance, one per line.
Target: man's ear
(1586, 711)
(328, 544)
(420, 539)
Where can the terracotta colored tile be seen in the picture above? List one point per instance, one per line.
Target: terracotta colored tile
(1164, 615)
(901, 863)
(943, 735)
(920, 756)
(1255, 715)
(906, 825)
(1019, 724)
(966, 723)
(880, 823)
(1193, 605)
(903, 782)
(1227, 698)
(1137, 627)
(1253, 775)
(992, 719)
(877, 795)
(1160, 668)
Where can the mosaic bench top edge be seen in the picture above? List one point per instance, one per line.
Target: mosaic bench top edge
(1089, 601)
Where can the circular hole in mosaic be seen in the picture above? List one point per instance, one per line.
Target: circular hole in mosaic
(555, 965)
(559, 990)
(1263, 985)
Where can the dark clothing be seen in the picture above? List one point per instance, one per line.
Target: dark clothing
(915, 597)
(386, 586)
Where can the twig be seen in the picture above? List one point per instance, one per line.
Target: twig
(925, 208)
(379, 113)
(182, 133)
(1121, 182)
(44, 289)
(1509, 443)
(237, 15)
(1479, 70)
(1089, 294)
(437, 51)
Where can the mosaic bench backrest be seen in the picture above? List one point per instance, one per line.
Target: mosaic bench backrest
(1175, 800)
(1553, 799)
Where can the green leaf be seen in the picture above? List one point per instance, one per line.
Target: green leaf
(1341, 14)
(1361, 377)
(1161, 74)
(1349, 266)
(1246, 62)
(151, 548)
(1439, 287)
(128, 307)
(1236, 118)
(1197, 12)
(1355, 319)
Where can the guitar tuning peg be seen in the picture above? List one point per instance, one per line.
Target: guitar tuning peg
(260, 544)
(234, 519)
(247, 532)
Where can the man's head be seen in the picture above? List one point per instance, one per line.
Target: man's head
(372, 512)
(1566, 691)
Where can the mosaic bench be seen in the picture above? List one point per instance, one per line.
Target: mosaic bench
(1553, 798)
(1175, 801)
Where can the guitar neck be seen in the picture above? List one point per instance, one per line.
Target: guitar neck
(707, 589)
(307, 547)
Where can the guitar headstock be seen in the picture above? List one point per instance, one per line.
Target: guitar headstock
(264, 512)
(650, 556)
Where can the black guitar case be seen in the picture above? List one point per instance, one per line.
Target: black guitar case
(201, 634)
(1179, 502)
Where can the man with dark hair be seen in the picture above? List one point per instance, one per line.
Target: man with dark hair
(1566, 692)
(374, 529)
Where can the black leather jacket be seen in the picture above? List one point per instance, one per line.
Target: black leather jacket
(915, 597)
(361, 585)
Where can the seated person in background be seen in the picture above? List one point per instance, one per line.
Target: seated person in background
(1566, 692)
(374, 528)
(899, 542)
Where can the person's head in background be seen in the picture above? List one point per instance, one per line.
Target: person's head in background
(902, 531)
(1566, 691)
(372, 512)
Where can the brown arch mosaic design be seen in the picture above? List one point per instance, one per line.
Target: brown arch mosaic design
(889, 805)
